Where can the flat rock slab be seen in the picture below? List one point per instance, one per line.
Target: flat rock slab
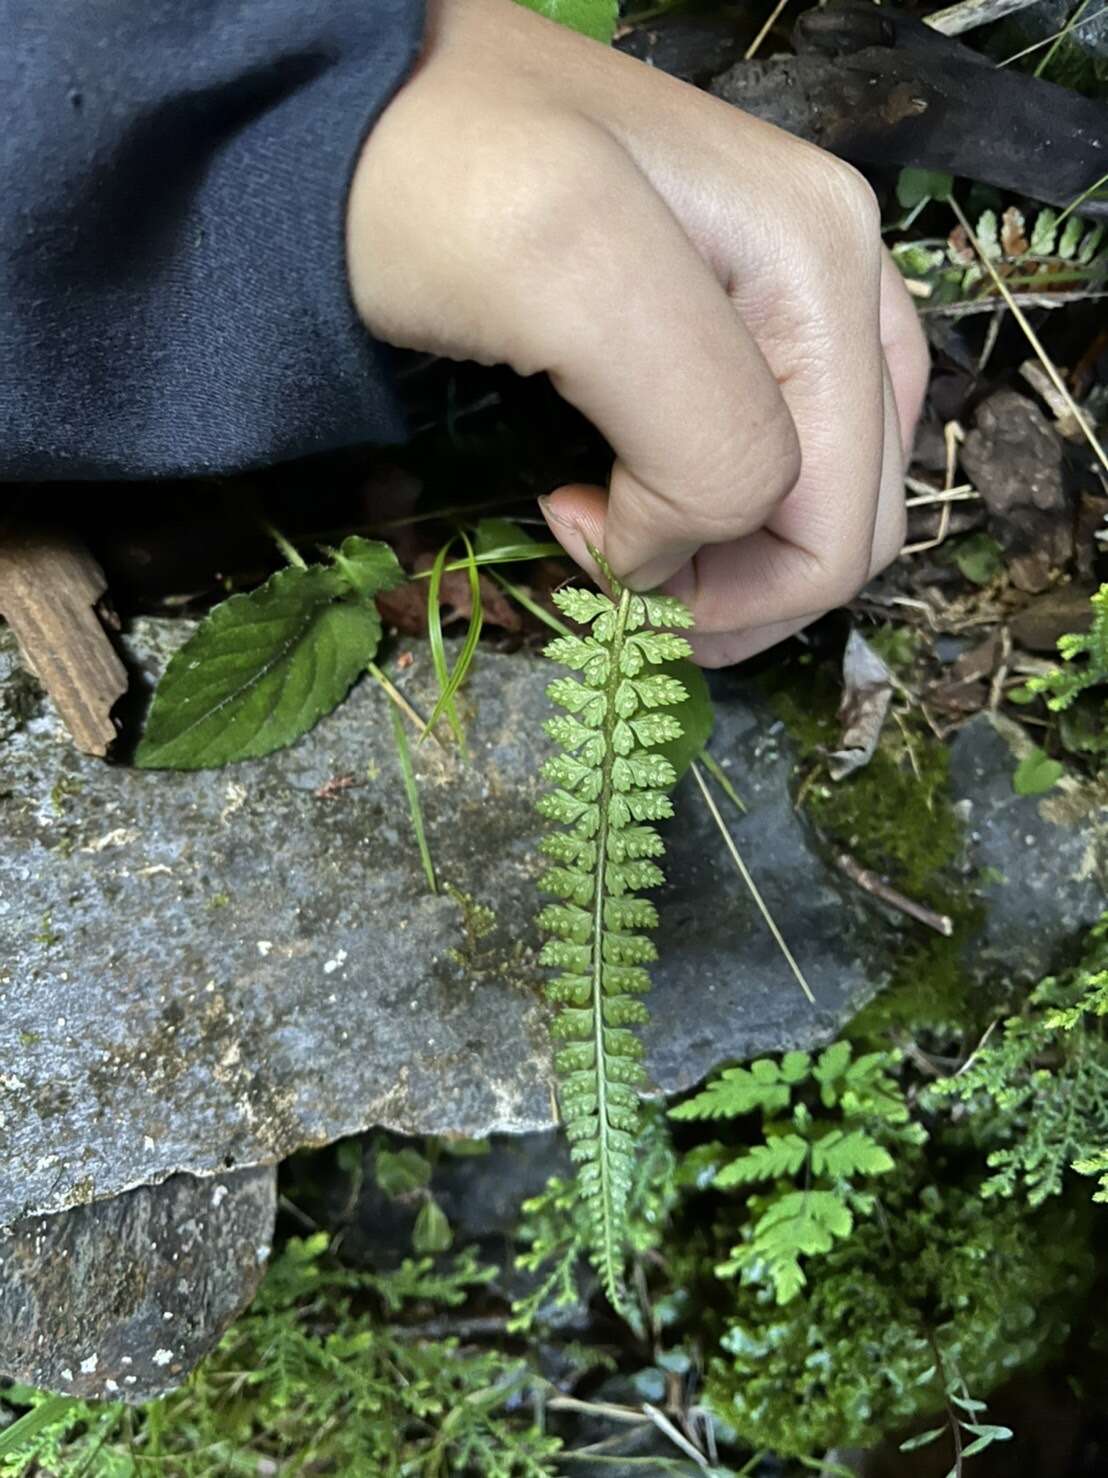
(120, 1299)
(1041, 861)
(207, 971)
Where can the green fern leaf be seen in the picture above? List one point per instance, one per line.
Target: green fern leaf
(740, 1090)
(840, 1156)
(781, 1156)
(1065, 683)
(799, 1224)
(608, 785)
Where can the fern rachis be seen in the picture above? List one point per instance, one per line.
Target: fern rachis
(610, 784)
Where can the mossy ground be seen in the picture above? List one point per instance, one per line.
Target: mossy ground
(896, 817)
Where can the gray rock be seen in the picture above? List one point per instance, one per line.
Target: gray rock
(1043, 859)
(206, 971)
(120, 1299)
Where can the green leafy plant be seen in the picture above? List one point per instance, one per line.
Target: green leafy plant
(328, 1371)
(265, 666)
(818, 1163)
(595, 18)
(941, 1286)
(1039, 1085)
(1036, 773)
(1052, 255)
(1062, 686)
(905, 1292)
(557, 1237)
(609, 784)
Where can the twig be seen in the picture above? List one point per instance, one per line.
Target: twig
(968, 14)
(972, 1058)
(1092, 190)
(1070, 25)
(1073, 24)
(771, 21)
(1026, 300)
(398, 698)
(744, 873)
(723, 780)
(679, 1440)
(869, 882)
(996, 687)
(952, 435)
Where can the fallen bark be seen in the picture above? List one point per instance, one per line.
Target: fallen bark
(50, 588)
(879, 88)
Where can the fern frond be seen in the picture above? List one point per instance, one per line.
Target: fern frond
(1065, 683)
(608, 785)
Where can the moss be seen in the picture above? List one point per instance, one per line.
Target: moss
(47, 935)
(65, 787)
(896, 817)
(478, 922)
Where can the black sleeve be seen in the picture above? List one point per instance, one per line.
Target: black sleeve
(173, 183)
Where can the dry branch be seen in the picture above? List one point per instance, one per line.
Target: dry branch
(50, 591)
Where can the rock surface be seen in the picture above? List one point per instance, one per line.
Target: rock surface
(1043, 860)
(205, 971)
(120, 1299)
(201, 972)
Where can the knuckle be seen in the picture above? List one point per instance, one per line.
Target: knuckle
(845, 201)
(837, 581)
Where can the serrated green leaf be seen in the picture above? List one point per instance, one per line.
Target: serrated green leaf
(368, 566)
(1036, 773)
(432, 1231)
(914, 186)
(399, 1172)
(781, 1156)
(842, 1155)
(595, 18)
(695, 715)
(1044, 232)
(492, 534)
(260, 671)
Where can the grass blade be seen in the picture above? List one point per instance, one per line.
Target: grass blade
(32, 1422)
(438, 650)
(404, 754)
(744, 873)
(450, 683)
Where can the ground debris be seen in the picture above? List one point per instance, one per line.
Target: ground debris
(867, 693)
(51, 591)
(1013, 456)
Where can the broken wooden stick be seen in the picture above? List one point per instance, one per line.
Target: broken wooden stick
(878, 888)
(50, 592)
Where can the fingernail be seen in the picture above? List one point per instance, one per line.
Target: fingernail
(551, 513)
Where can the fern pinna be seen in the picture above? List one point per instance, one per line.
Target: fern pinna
(610, 783)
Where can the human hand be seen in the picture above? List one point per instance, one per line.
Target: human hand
(711, 292)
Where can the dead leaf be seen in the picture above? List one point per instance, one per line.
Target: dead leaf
(50, 592)
(405, 608)
(1047, 617)
(964, 687)
(1013, 232)
(867, 693)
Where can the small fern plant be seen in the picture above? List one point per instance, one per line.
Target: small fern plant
(609, 783)
(1067, 682)
(829, 1125)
